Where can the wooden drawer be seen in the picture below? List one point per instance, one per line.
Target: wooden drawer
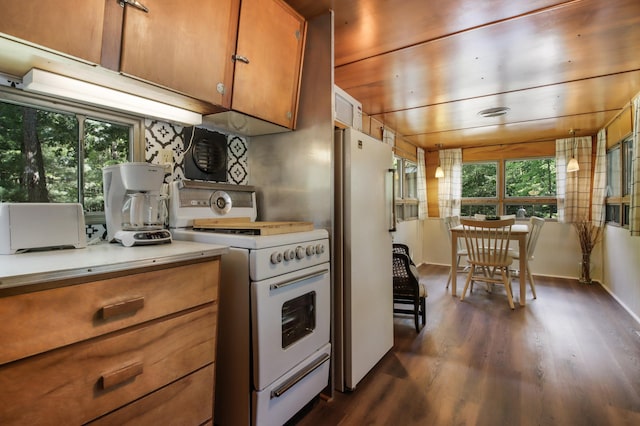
(36, 322)
(81, 382)
(189, 401)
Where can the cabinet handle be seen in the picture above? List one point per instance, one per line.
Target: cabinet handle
(240, 58)
(114, 378)
(120, 308)
(299, 279)
(134, 3)
(294, 380)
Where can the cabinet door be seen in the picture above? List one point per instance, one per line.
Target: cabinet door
(271, 37)
(189, 402)
(68, 26)
(65, 315)
(95, 377)
(183, 45)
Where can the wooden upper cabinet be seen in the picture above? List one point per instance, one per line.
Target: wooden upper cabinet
(244, 55)
(68, 26)
(271, 38)
(185, 45)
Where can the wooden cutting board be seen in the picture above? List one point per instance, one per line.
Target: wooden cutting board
(260, 228)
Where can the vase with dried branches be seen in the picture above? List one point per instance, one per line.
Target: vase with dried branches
(589, 234)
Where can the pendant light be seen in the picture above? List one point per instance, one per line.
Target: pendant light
(573, 165)
(439, 171)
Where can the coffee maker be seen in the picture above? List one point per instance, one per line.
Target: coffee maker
(134, 207)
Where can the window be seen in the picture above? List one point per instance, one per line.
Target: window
(619, 167)
(627, 155)
(614, 160)
(406, 178)
(54, 152)
(530, 184)
(510, 187)
(479, 189)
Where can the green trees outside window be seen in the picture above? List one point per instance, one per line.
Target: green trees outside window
(56, 156)
(528, 184)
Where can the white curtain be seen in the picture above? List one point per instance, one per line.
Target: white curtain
(599, 180)
(450, 186)
(634, 207)
(573, 189)
(421, 186)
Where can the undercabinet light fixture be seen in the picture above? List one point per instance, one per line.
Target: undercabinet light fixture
(46, 83)
(493, 112)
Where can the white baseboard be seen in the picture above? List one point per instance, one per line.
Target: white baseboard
(621, 303)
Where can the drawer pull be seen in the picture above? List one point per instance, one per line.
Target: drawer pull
(299, 376)
(114, 378)
(120, 308)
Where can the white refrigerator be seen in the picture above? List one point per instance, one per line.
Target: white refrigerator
(363, 295)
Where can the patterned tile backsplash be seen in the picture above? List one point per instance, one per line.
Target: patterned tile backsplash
(160, 135)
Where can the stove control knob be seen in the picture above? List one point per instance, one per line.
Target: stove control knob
(320, 249)
(300, 252)
(276, 258)
(289, 254)
(311, 250)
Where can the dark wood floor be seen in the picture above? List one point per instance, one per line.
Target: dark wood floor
(570, 357)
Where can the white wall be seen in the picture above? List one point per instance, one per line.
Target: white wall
(621, 260)
(435, 242)
(410, 233)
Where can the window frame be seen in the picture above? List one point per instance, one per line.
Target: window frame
(81, 111)
(501, 201)
(619, 203)
(483, 202)
(406, 207)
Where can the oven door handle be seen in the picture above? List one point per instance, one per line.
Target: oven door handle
(297, 280)
(315, 364)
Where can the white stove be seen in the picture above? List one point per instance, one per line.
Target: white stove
(274, 314)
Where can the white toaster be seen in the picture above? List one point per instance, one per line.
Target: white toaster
(37, 226)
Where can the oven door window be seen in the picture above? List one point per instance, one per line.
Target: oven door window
(298, 318)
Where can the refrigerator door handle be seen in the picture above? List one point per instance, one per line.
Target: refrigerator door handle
(391, 194)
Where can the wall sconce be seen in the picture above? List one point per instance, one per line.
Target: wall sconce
(439, 171)
(46, 83)
(573, 165)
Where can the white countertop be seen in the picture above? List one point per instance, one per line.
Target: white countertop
(42, 266)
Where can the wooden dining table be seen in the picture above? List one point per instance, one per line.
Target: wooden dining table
(519, 232)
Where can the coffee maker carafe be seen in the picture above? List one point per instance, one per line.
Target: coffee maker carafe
(134, 207)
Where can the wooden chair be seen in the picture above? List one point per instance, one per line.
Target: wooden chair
(407, 289)
(452, 222)
(487, 244)
(535, 226)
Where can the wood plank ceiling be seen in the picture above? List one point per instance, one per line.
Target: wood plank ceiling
(426, 68)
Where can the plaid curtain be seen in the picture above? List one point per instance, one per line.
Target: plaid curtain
(450, 186)
(599, 180)
(421, 185)
(573, 189)
(634, 207)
